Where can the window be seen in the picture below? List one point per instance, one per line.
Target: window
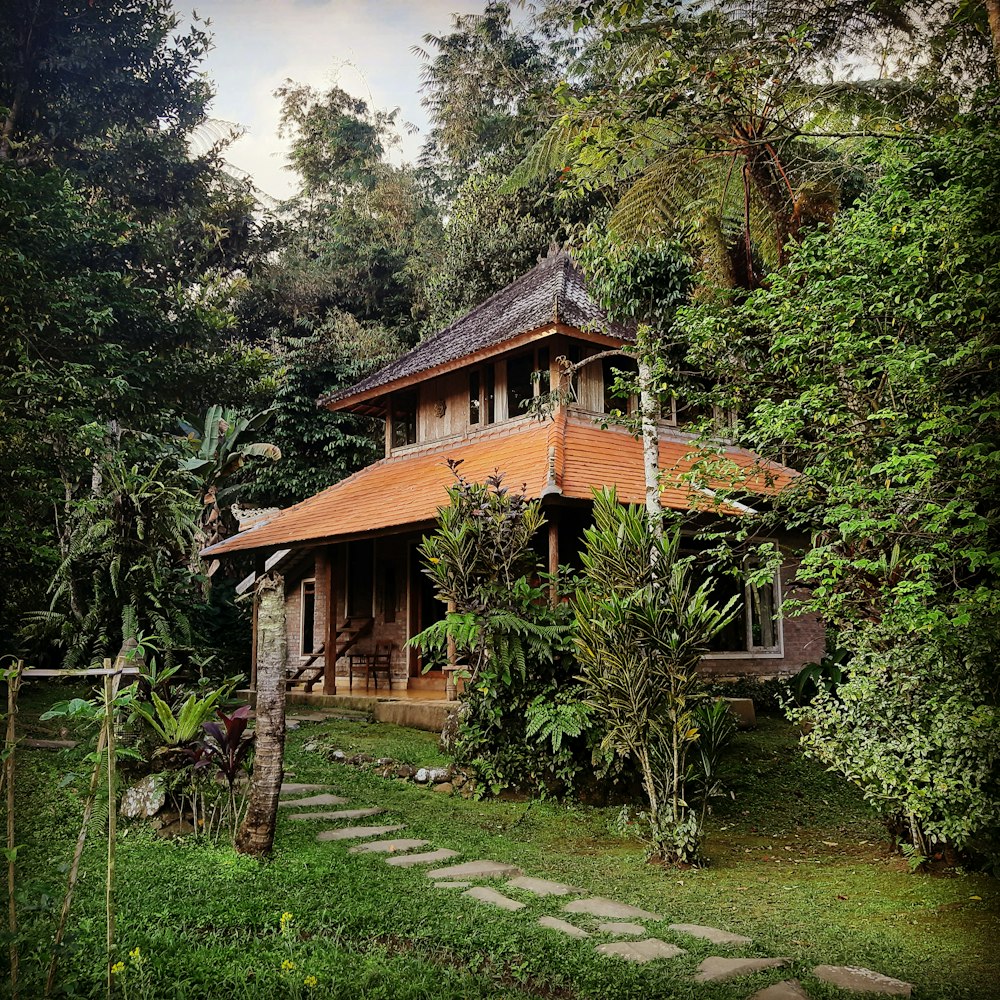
(755, 627)
(615, 370)
(404, 420)
(475, 401)
(527, 377)
(491, 394)
(520, 385)
(307, 645)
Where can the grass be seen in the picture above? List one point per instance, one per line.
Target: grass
(797, 864)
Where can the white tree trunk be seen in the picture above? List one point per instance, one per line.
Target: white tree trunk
(649, 413)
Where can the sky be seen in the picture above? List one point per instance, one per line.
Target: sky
(363, 46)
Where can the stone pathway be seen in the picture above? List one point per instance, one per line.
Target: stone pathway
(603, 916)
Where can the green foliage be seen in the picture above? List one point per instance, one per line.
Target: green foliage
(825, 674)
(641, 630)
(177, 728)
(523, 723)
(920, 737)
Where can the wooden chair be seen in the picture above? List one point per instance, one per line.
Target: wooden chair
(369, 664)
(381, 659)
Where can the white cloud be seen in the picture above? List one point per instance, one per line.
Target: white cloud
(363, 47)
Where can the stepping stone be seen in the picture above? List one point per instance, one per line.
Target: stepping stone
(427, 858)
(712, 934)
(858, 980)
(353, 832)
(475, 869)
(622, 930)
(295, 787)
(339, 814)
(555, 924)
(716, 970)
(541, 886)
(315, 800)
(387, 846)
(640, 951)
(494, 898)
(597, 906)
(789, 989)
(307, 717)
(452, 885)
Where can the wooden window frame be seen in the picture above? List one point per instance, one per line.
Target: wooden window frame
(304, 653)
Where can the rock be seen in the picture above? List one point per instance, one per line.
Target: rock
(338, 814)
(175, 828)
(541, 886)
(858, 980)
(295, 788)
(405, 771)
(361, 758)
(385, 762)
(356, 832)
(475, 869)
(291, 725)
(788, 989)
(597, 906)
(619, 929)
(311, 746)
(712, 934)
(309, 717)
(640, 951)
(446, 787)
(144, 799)
(486, 895)
(314, 800)
(555, 924)
(469, 789)
(438, 774)
(422, 776)
(459, 780)
(428, 858)
(716, 970)
(387, 846)
(339, 756)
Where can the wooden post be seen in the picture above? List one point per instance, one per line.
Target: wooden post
(330, 642)
(109, 888)
(256, 835)
(13, 687)
(553, 560)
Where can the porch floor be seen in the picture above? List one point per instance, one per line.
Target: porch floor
(418, 708)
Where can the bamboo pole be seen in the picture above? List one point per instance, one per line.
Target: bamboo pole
(74, 871)
(13, 687)
(109, 902)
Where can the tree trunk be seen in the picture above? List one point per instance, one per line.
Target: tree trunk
(256, 835)
(649, 411)
(993, 16)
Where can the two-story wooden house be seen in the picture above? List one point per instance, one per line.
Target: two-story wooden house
(348, 554)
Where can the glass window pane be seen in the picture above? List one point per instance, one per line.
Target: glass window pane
(520, 386)
(474, 400)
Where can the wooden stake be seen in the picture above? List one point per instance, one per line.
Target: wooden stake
(109, 900)
(74, 871)
(13, 687)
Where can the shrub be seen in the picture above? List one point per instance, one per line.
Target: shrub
(920, 736)
(642, 628)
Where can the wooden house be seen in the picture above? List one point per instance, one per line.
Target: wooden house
(348, 554)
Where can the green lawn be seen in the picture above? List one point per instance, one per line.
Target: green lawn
(797, 864)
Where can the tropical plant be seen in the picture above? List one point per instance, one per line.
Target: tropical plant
(178, 727)
(642, 627)
(228, 746)
(218, 455)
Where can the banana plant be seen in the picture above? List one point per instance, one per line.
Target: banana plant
(218, 451)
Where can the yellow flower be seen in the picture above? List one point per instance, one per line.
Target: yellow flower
(286, 919)
(118, 967)
(287, 966)
(135, 955)
(310, 981)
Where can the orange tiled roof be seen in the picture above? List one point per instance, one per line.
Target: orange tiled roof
(567, 456)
